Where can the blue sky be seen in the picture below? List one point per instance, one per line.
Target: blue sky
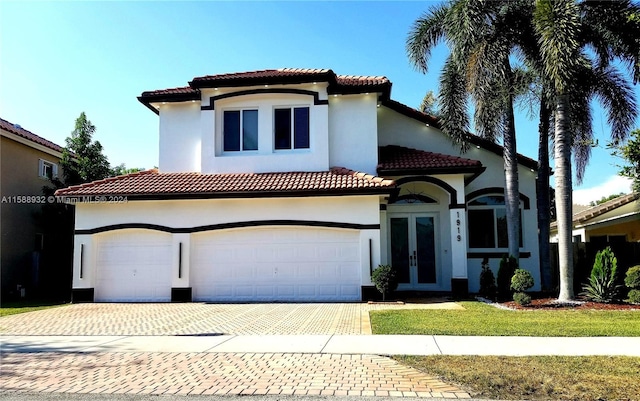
(58, 59)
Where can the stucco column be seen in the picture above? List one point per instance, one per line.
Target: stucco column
(459, 274)
(84, 268)
(180, 277)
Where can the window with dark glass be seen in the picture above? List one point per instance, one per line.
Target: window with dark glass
(291, 128)
(488, 222)
(240, 130)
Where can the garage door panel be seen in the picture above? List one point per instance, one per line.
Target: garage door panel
(133, 266)
(280, 263)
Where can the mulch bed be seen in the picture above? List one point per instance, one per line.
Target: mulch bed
(552, 304)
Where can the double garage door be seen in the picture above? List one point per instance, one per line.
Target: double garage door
(240, 265)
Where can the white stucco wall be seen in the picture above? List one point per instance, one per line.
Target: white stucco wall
(353, 132)
(397, 129)
(179, 137)
(196, 213)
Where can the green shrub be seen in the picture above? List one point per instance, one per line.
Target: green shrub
(602, 285)
(521, 298)
(487, 281)
(521, 281)
(507, 268)
(634, 297)
(385, 280)
(632, 279)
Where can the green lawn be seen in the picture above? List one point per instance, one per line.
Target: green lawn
(12, 308)
(479, 319)
(536, 378)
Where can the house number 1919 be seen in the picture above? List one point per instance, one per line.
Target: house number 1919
(459, 237)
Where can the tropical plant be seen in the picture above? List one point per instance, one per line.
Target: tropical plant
(521, 281)
(565, 30)
(385, 280)
(480, 36)
(487, 281)
(602, 285)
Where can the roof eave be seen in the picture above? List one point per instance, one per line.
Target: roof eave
(88, 198)
(203, 82)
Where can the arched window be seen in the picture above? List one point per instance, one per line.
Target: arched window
(487, 222)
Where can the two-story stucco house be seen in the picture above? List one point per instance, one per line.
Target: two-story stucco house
(27, 162)
(293, 185)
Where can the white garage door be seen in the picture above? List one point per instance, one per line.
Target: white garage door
(133, 266)
(276, 264)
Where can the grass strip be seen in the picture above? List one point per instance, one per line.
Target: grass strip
(13, 308)
(479, 319)
(536, 378)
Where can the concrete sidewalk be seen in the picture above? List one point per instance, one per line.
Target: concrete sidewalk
(329, 344)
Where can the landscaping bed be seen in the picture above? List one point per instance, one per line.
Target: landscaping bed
(553, 304)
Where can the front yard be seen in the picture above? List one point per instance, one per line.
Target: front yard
(12, 308)
(479, 319)
(531, 378)
(536, 378)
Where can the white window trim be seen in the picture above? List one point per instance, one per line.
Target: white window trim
(241, 151)
(293, 149)
(495, 231)
(41, 172)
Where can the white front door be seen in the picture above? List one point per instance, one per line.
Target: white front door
(413, 250)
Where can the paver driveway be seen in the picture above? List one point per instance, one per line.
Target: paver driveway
(200, 319)
(203, 372)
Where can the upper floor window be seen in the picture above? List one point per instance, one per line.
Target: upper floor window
(488, 222)
(47, 169)
(291, 128)
(240, 131)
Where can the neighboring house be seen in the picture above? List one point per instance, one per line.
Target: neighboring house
(27, 163)
(614, 221)
(293, 185)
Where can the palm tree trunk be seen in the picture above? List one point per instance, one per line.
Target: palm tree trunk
(512, 190)
(542, 197)
(564, 198)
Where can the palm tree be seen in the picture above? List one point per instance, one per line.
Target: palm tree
(565, 29)
(479, 35)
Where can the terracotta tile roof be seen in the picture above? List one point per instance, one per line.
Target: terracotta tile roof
(400, 160)
(598, 210)
(21, 132)
(285, 75)
(152, 184)
(172, 91)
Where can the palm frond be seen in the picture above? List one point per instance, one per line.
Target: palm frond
(425, 34)
(453, 101)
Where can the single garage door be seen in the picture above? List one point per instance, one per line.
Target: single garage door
(133, 266)
(276, 264)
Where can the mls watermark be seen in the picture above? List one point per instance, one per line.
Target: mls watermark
(41, 199)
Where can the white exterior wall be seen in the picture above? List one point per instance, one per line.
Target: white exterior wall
(179, 137)
(400, 130)
(353, 129)
(195, 213)
(267, 158)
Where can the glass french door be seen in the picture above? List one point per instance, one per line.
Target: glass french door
(413, 249)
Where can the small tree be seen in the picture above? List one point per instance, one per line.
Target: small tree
(507, 268)
(487, 281)
(630, 152)
(82, 158)
(385, 280)
(602, 285)
(521, 281)
(632, 281)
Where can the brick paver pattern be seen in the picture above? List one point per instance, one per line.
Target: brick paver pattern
(216, 373)
(197, 319)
